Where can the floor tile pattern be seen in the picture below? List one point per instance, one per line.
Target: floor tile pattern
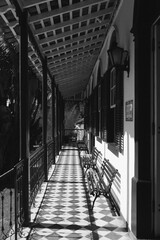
(64, 212)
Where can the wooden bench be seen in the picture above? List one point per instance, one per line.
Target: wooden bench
(100, 180)
(90, 160)
(82, 146)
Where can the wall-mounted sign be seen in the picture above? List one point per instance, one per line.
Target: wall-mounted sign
(129, 110)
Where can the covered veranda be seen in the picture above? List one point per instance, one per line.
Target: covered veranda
(54, 45)
(62, 207)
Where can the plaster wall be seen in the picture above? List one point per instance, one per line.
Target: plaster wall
(123, 162)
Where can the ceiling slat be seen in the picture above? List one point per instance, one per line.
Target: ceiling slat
(71, 41)
(75, 21)
(70, 35)
(63, 10)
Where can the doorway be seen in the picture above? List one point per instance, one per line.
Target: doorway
(156, 127)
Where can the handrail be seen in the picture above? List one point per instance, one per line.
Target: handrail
(40, 148)
(50, 153)
(36, 172)
(15, 191)
(74, 129)
(6, 196)
(74, 134)
(6, 173)
(19, 211)
(11, 189)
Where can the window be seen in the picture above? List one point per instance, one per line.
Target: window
(116, 108)
(104, 109)
(113, 88)
(112, 108)
(107, 112)
(99, 115)
(99, 110)
(94, 111)
(86, 115)
(118, 128)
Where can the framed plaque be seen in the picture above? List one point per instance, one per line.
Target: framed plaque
(129, 110)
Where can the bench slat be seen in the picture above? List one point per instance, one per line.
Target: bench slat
(109, 172)
(91, 182)
(100, 179)
(89, 160)
(82, 146)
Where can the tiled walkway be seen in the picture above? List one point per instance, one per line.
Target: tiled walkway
(64, 210)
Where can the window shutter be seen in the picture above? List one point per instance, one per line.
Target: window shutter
(99, 130)
(107, 112)
(110, 112)
(99, 113)
(86, 115)
(90, 111)
(95, 111)
(119, 136)
(104, 108)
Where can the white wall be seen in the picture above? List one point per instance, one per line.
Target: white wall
(124, 162)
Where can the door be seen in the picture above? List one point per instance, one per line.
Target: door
(156, 124)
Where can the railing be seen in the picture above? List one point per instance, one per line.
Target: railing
(11, 192)
(50, 153)
(73, 135)
(19, 211)
(7, 199)
(11, 202)
(36, 172)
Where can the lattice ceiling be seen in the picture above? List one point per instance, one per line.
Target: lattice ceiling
(70, 33)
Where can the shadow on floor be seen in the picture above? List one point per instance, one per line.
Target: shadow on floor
(62, 210)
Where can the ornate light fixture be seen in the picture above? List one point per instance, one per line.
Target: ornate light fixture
(119, 58)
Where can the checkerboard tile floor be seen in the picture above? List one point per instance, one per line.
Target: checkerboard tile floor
(64, 207)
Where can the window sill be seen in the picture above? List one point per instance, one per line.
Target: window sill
(99, 139)
(113, 148)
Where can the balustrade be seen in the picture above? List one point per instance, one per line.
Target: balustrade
(11, 191)
(11, 201)
(50, 153)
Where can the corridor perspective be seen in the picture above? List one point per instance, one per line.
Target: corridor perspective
(64, 210)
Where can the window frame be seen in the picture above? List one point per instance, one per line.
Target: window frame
(113, 88)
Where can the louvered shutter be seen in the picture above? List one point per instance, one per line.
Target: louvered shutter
(104, 108)
(94, 111)
(99, 82)
(90, 113)
(99, 130)
(107, 112)
(119, 136)
(110, 112)
(86, 115)
(96, 116)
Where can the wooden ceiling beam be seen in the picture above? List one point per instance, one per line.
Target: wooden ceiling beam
(75, 21)
(72, 60)
(68, 90)
(71, 41)
(77, 76)
(61, 66)
(69, 86)
(73, 74)
(71, 32)
(76, 53)
(31, 3)
(63, 10)
(85, 44)
(67, 68)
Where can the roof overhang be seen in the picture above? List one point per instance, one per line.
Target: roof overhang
(70, 33)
